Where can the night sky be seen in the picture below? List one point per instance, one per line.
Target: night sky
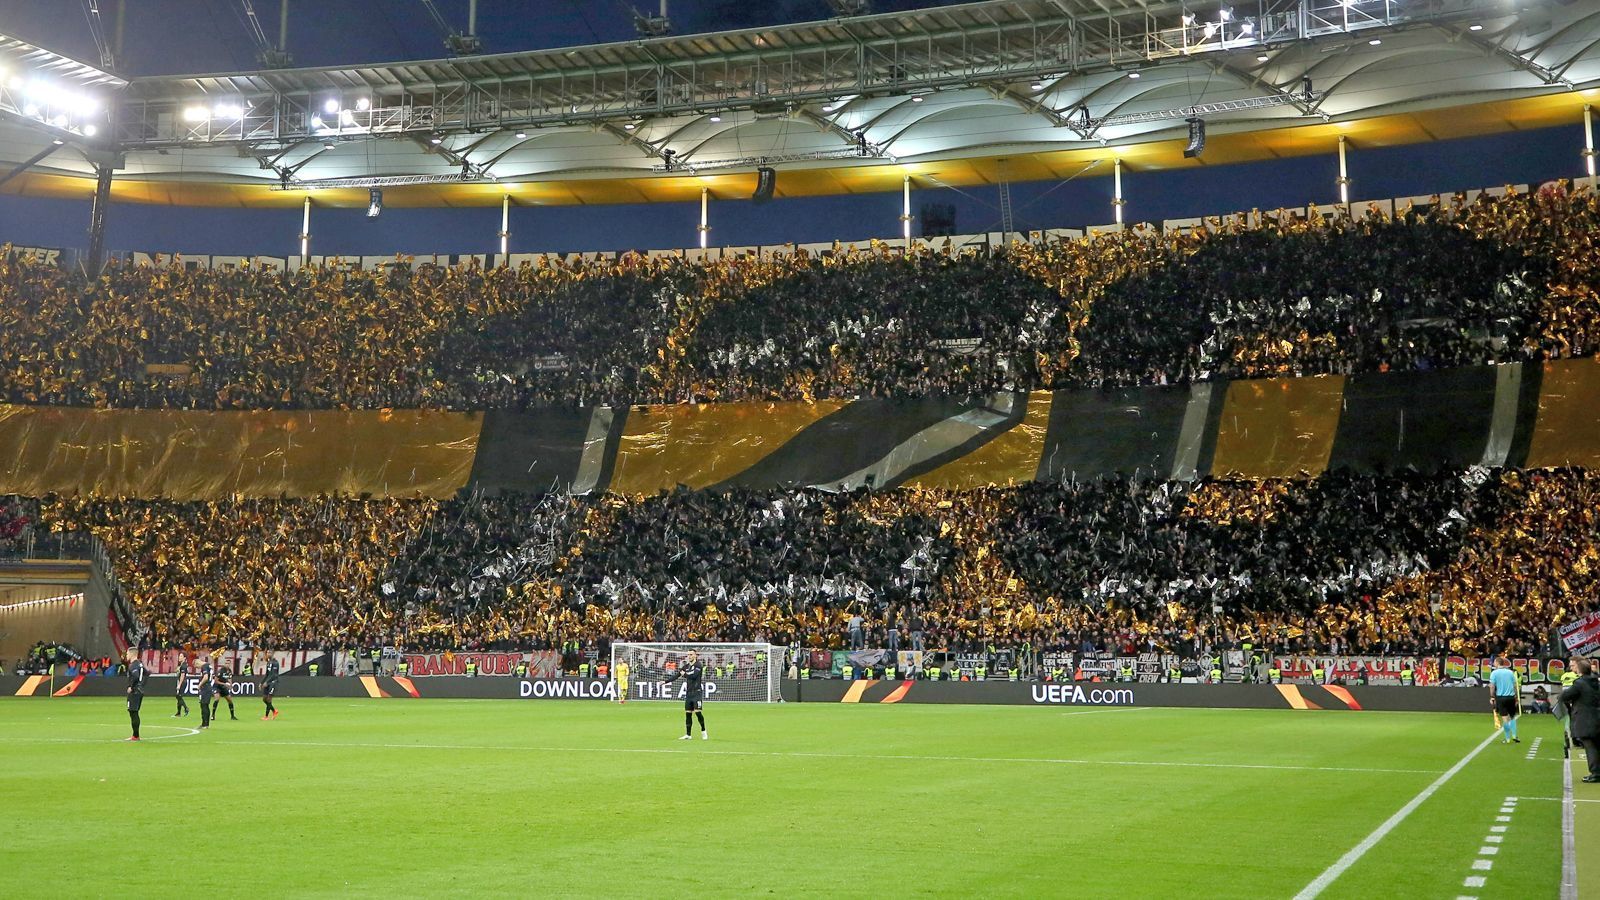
(213, 38)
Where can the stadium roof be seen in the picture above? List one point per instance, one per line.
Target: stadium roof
(1004, 89)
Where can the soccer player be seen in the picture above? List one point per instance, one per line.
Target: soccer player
(136, 679)
(207, 689)
(693, 675)
(622, 681)
(1507, 699)
(269, 686)
(183, 675)
(224, 679)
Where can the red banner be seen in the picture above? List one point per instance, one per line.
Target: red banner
(541, 664)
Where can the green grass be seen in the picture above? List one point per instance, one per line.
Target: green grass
(440, 797)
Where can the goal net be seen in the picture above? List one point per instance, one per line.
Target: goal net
(733, 671)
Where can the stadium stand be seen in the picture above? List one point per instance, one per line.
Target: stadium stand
(1379, 561)
(1442, 284)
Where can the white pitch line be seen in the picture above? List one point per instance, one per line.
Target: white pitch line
(1569, 853)
(188, 732)
(1321, 882)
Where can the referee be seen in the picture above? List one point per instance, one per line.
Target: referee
(136, 679)
(693, 675)
(1507, 699)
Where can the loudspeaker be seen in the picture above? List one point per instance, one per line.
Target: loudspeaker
(374, 203)
(766, 183)
(1197, 138)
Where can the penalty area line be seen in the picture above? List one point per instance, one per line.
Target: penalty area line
(1329, 875)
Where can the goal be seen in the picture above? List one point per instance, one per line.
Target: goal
(749, 672)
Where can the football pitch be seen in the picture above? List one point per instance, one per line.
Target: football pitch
(441, 797)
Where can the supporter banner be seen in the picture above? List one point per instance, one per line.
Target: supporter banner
(883, 443)
(541, 664)
(545, 450)
(1532, 669)
(165, 662)
(699, 445)
(1079, 694)
(1582, 637)
(1007, 458)
(1278, 427)
(1392, 420)
(1566, 430)
(199, 455)
(1372, 669)
(1095, 433)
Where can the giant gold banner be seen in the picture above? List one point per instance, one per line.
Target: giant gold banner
(198, 455)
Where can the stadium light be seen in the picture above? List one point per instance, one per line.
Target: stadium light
(331, 105)
(1134, 75)
(1474, 27)
(363, 104)
(89, 130)
(1262, 57)
(436, 140)
(1374, 42)
(716, 118)
(194, 114)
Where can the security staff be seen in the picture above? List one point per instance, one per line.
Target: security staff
(848, 672)
(377, 660)
(1318, 675)
(402, 668)
(1174, 674)
(980, 672)
(1409, 677)
(583, 669)
(312, 669)
(1216, 674)
(1015, 674)
(1275, 674)
(805, 673)
(1125, 673)
(888, 673)
(472, 668)
(522, 669)
(931, 673)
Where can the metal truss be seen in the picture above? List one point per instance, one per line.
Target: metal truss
(990, 45)
(1204, 109)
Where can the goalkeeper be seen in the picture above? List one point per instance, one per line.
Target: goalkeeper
(622, 681)
(693, 675)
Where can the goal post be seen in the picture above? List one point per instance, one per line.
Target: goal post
(748, 672)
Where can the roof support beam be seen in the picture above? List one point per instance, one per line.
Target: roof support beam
(1009, 94)
(1298, 99)
(628, 137)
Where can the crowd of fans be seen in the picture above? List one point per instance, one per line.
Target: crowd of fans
(15, 516)
(1471, 561)
(1449, 284)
